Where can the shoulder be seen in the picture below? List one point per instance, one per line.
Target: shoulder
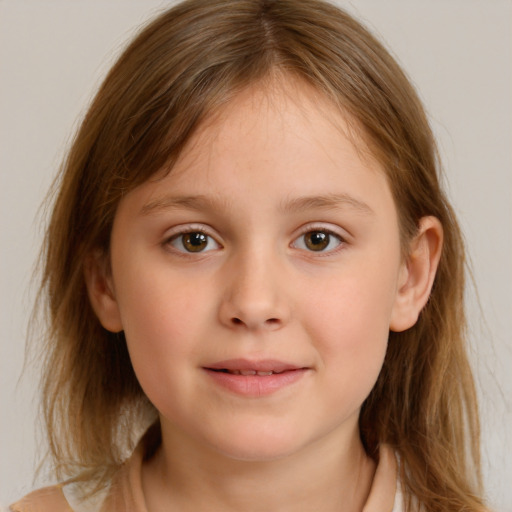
(48, 499)
(123, 493)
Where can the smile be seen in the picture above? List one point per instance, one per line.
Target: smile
(254, 379)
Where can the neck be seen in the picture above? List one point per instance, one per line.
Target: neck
(327, 475)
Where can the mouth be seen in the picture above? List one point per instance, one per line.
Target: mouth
(248, 367)
(249, 372)
(255, 378)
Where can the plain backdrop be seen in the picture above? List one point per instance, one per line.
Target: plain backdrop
(53, 55)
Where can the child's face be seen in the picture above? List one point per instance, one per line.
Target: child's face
(270, 246)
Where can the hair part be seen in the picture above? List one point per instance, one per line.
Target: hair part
(179, 70)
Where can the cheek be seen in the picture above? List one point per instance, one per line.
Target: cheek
(154, 299)
(161, 318)
(351, 322)
(355, 304)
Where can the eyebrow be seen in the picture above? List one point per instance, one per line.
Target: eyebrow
(201, 202)
(327, 202)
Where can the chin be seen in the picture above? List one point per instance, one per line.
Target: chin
(257, 444)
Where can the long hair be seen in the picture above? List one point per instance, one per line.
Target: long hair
(180, 69)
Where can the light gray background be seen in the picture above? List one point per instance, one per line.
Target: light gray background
(53, 54)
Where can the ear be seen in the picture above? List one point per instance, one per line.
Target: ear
(98, 279)
(417, 274)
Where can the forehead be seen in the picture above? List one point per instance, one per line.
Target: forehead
(284, 103)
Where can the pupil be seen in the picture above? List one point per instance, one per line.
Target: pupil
(195, 242)
(317, 240)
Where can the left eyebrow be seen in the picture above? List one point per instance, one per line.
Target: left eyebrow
(327, 202)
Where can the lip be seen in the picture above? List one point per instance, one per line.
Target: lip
(276, 376)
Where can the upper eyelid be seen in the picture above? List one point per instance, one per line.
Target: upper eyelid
(327, 227)
(190, 228)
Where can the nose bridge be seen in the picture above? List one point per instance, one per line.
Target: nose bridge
(255, 294)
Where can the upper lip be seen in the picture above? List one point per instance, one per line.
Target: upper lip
(264, 365)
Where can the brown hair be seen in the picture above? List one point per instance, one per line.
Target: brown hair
(184, 65)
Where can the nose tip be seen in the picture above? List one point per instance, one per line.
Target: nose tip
(254, 298)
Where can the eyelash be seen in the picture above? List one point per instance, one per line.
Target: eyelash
(179, 239)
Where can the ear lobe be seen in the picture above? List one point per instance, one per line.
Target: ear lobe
(417, 274)
(98, 280)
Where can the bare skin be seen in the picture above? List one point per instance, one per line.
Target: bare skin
(331, 480)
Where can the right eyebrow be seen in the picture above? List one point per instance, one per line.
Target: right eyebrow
(199, 202)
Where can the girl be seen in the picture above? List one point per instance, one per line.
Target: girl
(254, 279)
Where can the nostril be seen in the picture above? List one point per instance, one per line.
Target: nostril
(269, 321)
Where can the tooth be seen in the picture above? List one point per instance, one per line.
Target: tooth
(265, 373)
(247, 372)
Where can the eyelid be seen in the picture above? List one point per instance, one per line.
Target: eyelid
(189, 228)
(327, 227)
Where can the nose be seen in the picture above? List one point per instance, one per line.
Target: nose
(255, 295)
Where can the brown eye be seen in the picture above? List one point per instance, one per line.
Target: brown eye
(193, 241)
(318, 241)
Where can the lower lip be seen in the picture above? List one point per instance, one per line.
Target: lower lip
(256, 385)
